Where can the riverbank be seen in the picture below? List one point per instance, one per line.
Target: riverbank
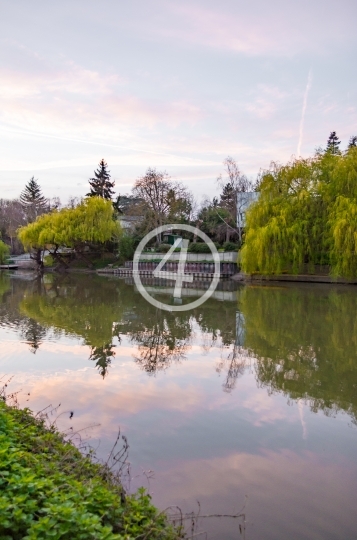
(293, 278)
(48, 489)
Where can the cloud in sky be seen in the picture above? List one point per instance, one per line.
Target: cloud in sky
(172, 85)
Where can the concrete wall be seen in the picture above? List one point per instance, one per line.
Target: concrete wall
(228, 256)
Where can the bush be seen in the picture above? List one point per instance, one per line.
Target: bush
(163, 248)
(49, 490)
(4, 252)
(126, 247)
(230, 246)
(198, 247)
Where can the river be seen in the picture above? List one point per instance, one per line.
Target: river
(247, 403)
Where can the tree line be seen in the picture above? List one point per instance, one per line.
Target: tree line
(35, 222)
(304, 215)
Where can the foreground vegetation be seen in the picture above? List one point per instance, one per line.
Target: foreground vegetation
(49, 490)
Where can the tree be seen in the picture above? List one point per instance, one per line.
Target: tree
(33, 334)
(90, 223)
(214, 221)
(12, 216)
(101, 185)
(333, 143)
(352, 142)
(163, 200)
(102, 356)
(230, 197)
(306, 215)
(32, 199)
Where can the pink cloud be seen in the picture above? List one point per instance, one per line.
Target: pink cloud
(289, 492)
(257, 28)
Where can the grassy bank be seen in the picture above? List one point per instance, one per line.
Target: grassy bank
(49, 490)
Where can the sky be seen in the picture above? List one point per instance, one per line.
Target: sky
(177, 85)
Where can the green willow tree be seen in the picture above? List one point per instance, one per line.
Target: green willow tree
(306, 215)
(90, 223)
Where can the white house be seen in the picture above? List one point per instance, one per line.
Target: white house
(244, 200)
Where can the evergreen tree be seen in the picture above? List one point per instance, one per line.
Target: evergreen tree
(101, 185)
(353, 142)
(229, 197)
(333, 143)
(33, 200)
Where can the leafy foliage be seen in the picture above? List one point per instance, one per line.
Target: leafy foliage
(4, 252)
(215, 221)
(49, 490)
(126, 247)
(198, 247)
(90, 222)
(305, 216)
(230, 246)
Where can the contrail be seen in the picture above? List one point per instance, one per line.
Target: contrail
(301, 131)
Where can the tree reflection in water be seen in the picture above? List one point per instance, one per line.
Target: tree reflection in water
(33, 334)
(299, 340)
(102, 356)
(304, 340)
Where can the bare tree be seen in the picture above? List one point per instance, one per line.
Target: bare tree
(12, 216)
(233, 196)
(163, 200)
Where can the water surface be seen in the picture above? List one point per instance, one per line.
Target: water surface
(248, 401)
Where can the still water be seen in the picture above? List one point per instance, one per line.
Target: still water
(247, 402)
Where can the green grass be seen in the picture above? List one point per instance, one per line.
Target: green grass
(48, 489)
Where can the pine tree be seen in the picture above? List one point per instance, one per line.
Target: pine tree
(229, 196)
(352, 142)
(32, 199)
(100, 185)
(333, 143)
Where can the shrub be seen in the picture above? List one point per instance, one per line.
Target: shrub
(126, 247)
(230, 246)
(4, 252)
(198, 247)
(163, 248)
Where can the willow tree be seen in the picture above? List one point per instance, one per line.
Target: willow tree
(305, 216)
(284, 227)
(90, 223)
